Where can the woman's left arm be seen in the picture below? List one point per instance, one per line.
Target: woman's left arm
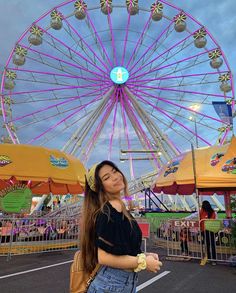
(117, 261)
(127, 261)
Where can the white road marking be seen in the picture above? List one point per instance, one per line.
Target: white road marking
(140, 287)
(34, 270)
(149, 282)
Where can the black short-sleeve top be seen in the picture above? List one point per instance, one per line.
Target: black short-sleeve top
(114, 233)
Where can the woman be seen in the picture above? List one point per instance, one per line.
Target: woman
(207, 212)
(110, 236)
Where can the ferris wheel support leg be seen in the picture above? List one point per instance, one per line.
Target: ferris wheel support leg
(81, 133)
(193, 198)
(87, 149)
(39, 204)
(155, 132)
(218, 203)
(147, 124)
(143, 138)
(184, 203)
(88, 125)
(170, 197)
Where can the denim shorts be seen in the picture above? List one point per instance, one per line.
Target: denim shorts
(113, 280)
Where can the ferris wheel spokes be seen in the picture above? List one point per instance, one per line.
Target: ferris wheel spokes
(113, 124)
(53, 89)
(168, 77)
(165, 53)
(170, 126)
(179, 91)
(91, 143)
(71, 76)
(125, 41)
(149, 48)
(72, 65)
(87, 45)
(181, 106)
(64, 129)
(112, 39)
(82, 137)
(72, 50)
(98, 38)
(166, 66)
(59, 123)
(80, 134)
(68, 100)
(143, 138)
(153, 129)
(171, 118)
(64, 119)
(132, 56)
(126, 131)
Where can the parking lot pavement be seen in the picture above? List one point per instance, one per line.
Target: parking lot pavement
(49, 273)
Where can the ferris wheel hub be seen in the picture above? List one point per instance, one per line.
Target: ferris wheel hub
(119, 75)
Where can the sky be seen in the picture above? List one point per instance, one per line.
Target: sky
(218, 16)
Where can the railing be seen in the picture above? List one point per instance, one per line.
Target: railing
(34, 235)
(208, 240)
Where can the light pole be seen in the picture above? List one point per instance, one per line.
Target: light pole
(193, 118)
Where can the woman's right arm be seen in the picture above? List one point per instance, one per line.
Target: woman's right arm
(127, 261)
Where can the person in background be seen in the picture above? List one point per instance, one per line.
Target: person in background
(207, 212)
(109, 235)
(184, 238)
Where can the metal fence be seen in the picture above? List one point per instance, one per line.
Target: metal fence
(208, 240)
(34, 235)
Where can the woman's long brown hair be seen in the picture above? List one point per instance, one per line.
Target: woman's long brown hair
(92, 205)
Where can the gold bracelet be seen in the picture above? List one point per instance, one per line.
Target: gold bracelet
(141, 263)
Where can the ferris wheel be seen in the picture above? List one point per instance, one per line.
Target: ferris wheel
(124, 80)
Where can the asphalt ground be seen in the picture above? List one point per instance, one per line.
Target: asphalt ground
(37, 274)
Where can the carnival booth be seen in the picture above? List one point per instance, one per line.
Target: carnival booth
(209, 170)
(27, 170)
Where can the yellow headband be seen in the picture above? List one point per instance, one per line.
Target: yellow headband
(90, 176)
